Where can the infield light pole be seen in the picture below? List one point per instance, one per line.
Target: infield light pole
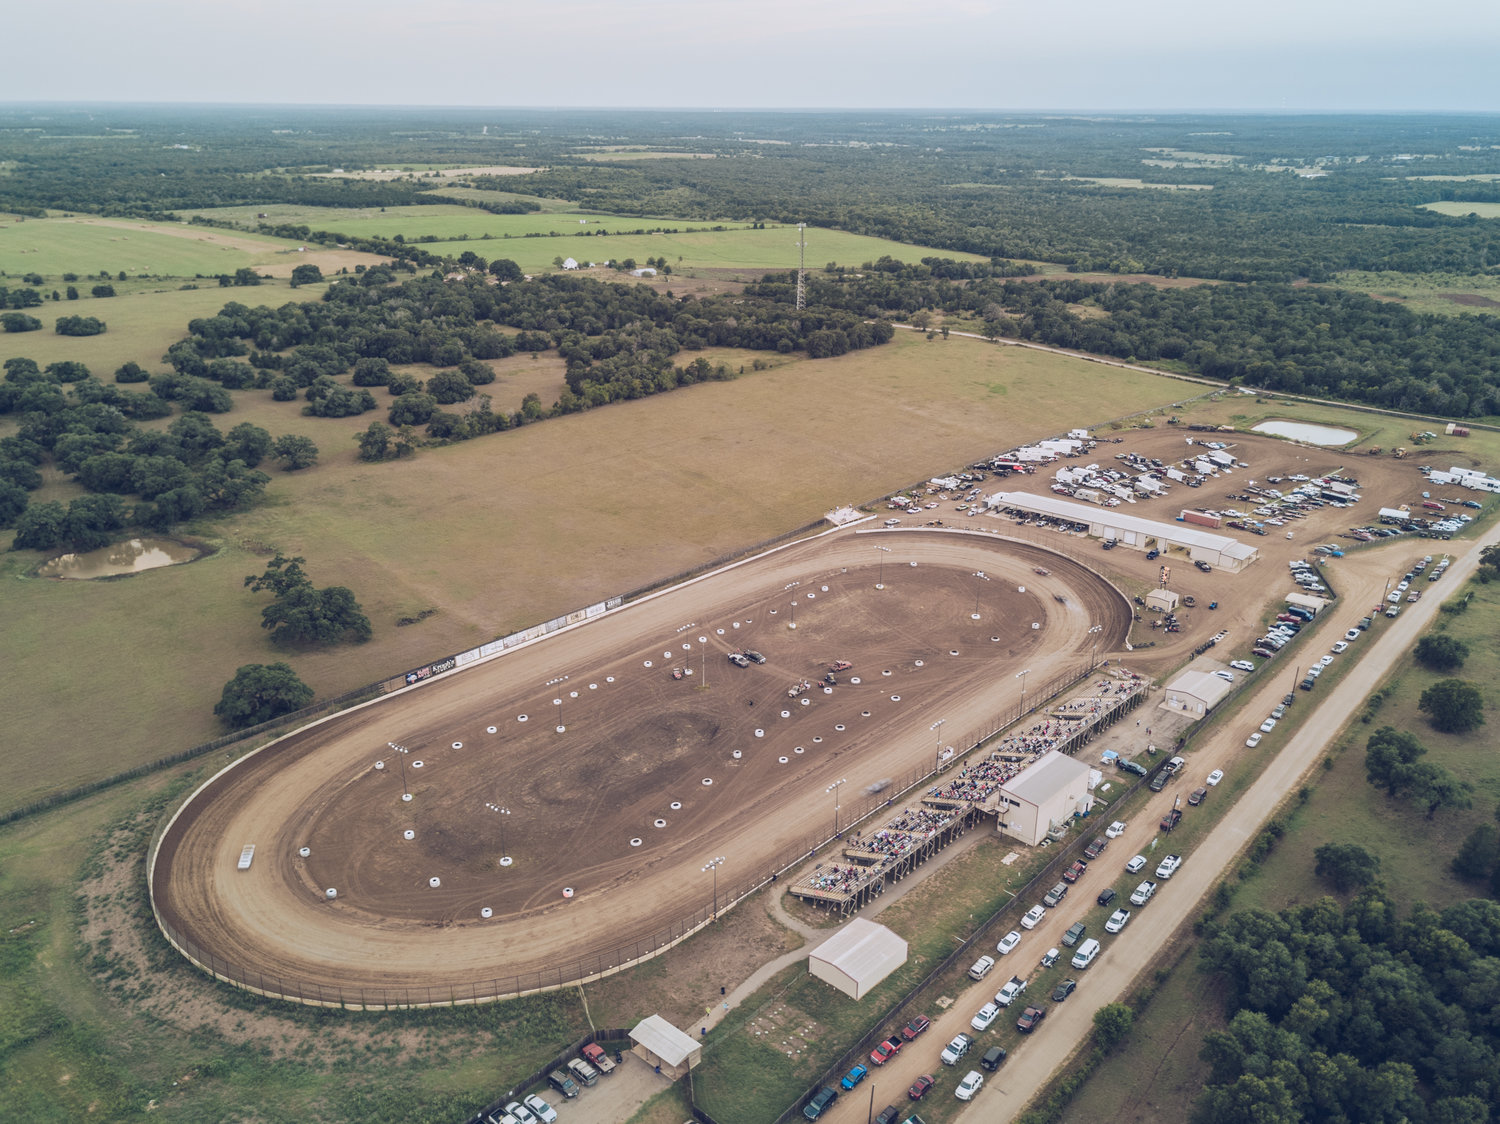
(880, 578)
(560, 727)
(1094, 653)
(982, 576)
(713, 865)
(402, 751)
(834, 788)
(794, 614)
(938, 726)
(505, 859)
(1021, 675)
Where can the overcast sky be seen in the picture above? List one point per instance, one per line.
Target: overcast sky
(992, 54)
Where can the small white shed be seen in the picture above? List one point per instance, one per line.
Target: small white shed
(857, 957)
(658, 1043)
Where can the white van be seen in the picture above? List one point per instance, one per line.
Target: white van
(1086, 953)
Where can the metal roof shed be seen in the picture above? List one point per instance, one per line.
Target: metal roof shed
(1195, 692)
(659, 1043)
(857, 957)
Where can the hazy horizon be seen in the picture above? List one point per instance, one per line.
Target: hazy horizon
(1160, 56)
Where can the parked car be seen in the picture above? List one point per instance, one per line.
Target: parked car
(992, 1058)
(985, 1018)
(915, 1027)
(886, 1050)
(1197, 796)
(920, 1086)
(888, 1115)
(981, 967)
(1340, 647)
(973, 1081)
(1204, 566)
(754, 657)
(1143, 893)
(1242, 665)
(1086, 953)
(1106, 896)
(855, 1075)
(1268, 725)
(544, 1111)
(1353, 634)
(740, 661)
(1115, 830)
(521, 1114)
(1136, 865)
(1117, 921)
(1030, 1019)
(585, 1074)
(1076, 871)
(1215, 777)
(1033, 917)
(1096, 848)
(956, 1049)
(1132, 767)
(1168, 867)
(1254, 739)
(1049, 957)
(1008, 943)
(1171, 819)
(820, 1102)
(563, 1082)
(1063, 990)
(1054, 896)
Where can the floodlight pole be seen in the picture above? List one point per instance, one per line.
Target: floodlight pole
(505, 859)
(1094, 653)
(713, 865)
(559, 703)
(938, 758)
(880, 578)
(983, 577)
(401, 752)
(834, 788)
(1021, 675)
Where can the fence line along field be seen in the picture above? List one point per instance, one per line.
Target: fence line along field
(503, 532)
(533, 817)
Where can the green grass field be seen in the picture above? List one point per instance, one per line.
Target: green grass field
(1459, 208)
(142, 325)
(446, 221)
(138, 663)
(86, 246)
(1446, 294)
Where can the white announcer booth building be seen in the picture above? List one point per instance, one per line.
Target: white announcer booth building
(1052, 791)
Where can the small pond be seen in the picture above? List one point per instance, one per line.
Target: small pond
(1306, 432)
(129, 557)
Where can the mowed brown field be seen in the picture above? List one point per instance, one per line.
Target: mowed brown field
(510, 530)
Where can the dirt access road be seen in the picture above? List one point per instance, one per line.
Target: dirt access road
(1125, 958)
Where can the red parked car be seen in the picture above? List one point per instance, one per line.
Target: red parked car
(1076, 871)
(886, 1050)
(920, 1086)
(915, 1027)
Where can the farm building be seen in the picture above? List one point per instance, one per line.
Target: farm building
(570, 263)
(857, 957)
(1196, 690)
(1050, 792)
(659, 1043)
(1162, 600)
(1314, 605)
(1132, 530)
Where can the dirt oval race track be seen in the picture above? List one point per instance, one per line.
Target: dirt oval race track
(627, 788)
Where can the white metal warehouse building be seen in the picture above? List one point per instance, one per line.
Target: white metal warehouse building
(1052, 791)
(1198, 544)
(857, 957)
(1196, 690)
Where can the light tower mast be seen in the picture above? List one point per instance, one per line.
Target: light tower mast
(801, 266)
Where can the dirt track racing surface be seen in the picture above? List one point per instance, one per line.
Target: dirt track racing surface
(636, 742)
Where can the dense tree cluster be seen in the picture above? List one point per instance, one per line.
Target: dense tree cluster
(619, 341)
(1453, 706)
(1392, 762)
(260, 692)
(1318, 341)
(303, 614)
(1356, 1014)
(87, 429)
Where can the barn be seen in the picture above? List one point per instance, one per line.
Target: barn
(1219, 551)
(857, 957)
(1046, 794)
(1197, 689)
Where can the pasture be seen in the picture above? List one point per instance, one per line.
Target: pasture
(752, 251)
(1458, 208)
(511, 529)
(1446, 294)
(445, 221)
(87, 245)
